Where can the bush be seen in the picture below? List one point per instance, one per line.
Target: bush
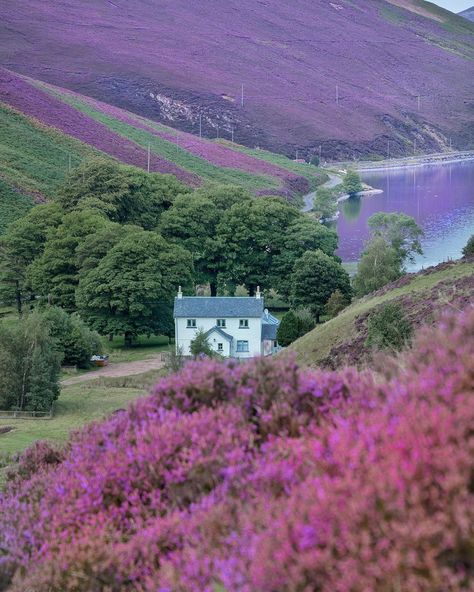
(469, 248)
(288, 330)
(200, 345)
(261, 477)
(388, 328)
(336, 303)
(77, 342)
(315, 161)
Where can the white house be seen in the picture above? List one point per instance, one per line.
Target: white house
(237, 327)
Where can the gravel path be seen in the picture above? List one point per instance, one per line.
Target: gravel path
(118, 369)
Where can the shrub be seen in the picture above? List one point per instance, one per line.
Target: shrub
(261, 477)
(388, 328)
(200, 345)
(352, 183)
(336, 303)
(288, 330)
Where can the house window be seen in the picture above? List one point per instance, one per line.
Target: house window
(242, 346)
(221, 323)
(191, 324)
(243, 324)
(220, 347)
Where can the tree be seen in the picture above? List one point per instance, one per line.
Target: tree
(469, 248)
(379, 265)
(200, 345)
(352, 183)
(336, 303)
(306, 322)
(192, 222)
(131, 290)
(127, 194)
(251, 235)
(288, 330)
(76, 342)
(22, 243)
(316, 276)
(303, 234)
(400, 231)
(388, 328)
(324, 204)
(55, 273)
(315, 160)
(30, 364)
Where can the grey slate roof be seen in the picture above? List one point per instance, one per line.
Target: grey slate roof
(222, 333)
(269, 327)
(218, 307)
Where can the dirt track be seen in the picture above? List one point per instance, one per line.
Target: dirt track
(118, 369)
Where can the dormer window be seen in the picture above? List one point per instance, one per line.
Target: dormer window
(243, 324)
(191, 323)
(221, 323)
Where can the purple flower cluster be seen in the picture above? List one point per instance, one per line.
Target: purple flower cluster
(261, 477)
(33, 102)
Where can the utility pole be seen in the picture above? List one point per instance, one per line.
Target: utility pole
(388, 149)
(337, 95)
(217, 131)
(148, 159)
(414, 147)
(320, 153)
(419, 102)
(232, 132)
(297, 154)
(200, 125)
(242, 97)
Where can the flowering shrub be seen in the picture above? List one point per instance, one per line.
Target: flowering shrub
(261, 477)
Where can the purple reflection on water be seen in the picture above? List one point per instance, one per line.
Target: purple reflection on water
(440, 198)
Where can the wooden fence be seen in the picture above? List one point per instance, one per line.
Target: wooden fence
(16, 414)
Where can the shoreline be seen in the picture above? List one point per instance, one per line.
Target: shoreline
(408, 162)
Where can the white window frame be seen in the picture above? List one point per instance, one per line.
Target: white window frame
(243, 323)
(220, 347)
(221, 323)
(191, 323)
(242, 346)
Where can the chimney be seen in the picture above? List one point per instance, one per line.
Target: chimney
(180, 293)
(257, 293)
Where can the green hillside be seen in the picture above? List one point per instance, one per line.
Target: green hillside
(423, 296)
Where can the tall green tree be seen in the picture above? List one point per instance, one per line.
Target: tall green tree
(379, 265)
(352, 183)
(129, 194)
(22, 243)
(131, 291)
(30, 363)
(469, 248)
(399, 231)
(303, 234)
(192, 222)
(316, 276)
(54, 274)
(251, 235)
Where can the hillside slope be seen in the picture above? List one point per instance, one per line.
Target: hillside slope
(423, 296)
(45, 130)
(468, 14)
(402, 69)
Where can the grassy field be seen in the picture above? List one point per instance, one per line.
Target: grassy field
(13, 205)
(34, 158)
(316, 346)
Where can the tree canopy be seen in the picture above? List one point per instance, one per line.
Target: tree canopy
(378, 266)
(400, 231)
(315, 278)
(352, 183)
(131, 290)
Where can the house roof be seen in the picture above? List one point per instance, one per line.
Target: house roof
(269, 326)
(218, 307)
(218, 330)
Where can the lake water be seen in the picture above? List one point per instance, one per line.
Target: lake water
(439, 197)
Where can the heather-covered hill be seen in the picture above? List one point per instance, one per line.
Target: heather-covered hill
(468, 14)
(402, 69)
(260, 477)
(46, 129)
(423, 296)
